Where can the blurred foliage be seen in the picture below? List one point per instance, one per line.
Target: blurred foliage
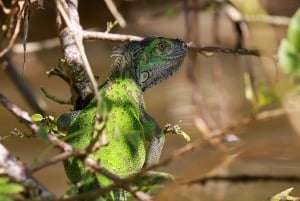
(9, 189)
(289, 50)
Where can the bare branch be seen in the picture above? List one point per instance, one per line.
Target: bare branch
(18, 171)
(123, 183)
(4, 9)
(207, 50)
(36, 46)
(25, 118)
(11, 69)
(54, 98)
(243, 178)
(16, 13)
(93, 35)
(71, 42)
(58, 158)
(18, 112)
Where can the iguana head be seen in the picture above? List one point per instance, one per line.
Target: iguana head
(151, 60)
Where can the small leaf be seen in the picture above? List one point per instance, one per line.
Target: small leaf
(11, 188)
(51, 118)
(43, 134)
(37, 117)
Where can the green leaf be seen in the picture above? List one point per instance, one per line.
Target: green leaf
(51, 118)
(293, 33)
(266, 95)
(37, 117)
(289, 49)
(11, 188)
(289, 60)
(43, 133)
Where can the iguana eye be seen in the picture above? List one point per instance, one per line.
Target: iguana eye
(161, 46)
(144, 76)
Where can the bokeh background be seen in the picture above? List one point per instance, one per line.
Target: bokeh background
(217, 82)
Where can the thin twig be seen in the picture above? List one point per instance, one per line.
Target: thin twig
(93, 35)
(57, 158)
(10, 68)
(24, 117)
(15, 34)
(123, 183)
(114, 11)
(243, 178)
(36, 46)
(18, 112)
(4, 9)
(224, 50)
(54, 98)
(214, 134)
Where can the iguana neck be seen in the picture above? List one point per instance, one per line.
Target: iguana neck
(124, 74)
(122, 85)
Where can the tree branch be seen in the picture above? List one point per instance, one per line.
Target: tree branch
(11, 69)
(93, 35)
(217, 134)
(19, 172)
(18, 112)
(79, 70)
(243, 178)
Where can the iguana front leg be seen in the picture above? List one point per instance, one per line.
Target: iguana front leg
(155, 136)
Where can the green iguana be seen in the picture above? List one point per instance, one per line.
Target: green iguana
(138, 66)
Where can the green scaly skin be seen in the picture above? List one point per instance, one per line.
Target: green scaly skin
(139, 65)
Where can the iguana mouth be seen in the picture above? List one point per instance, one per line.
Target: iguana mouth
(179, 52)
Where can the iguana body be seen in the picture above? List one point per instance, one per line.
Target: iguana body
(139, 65)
